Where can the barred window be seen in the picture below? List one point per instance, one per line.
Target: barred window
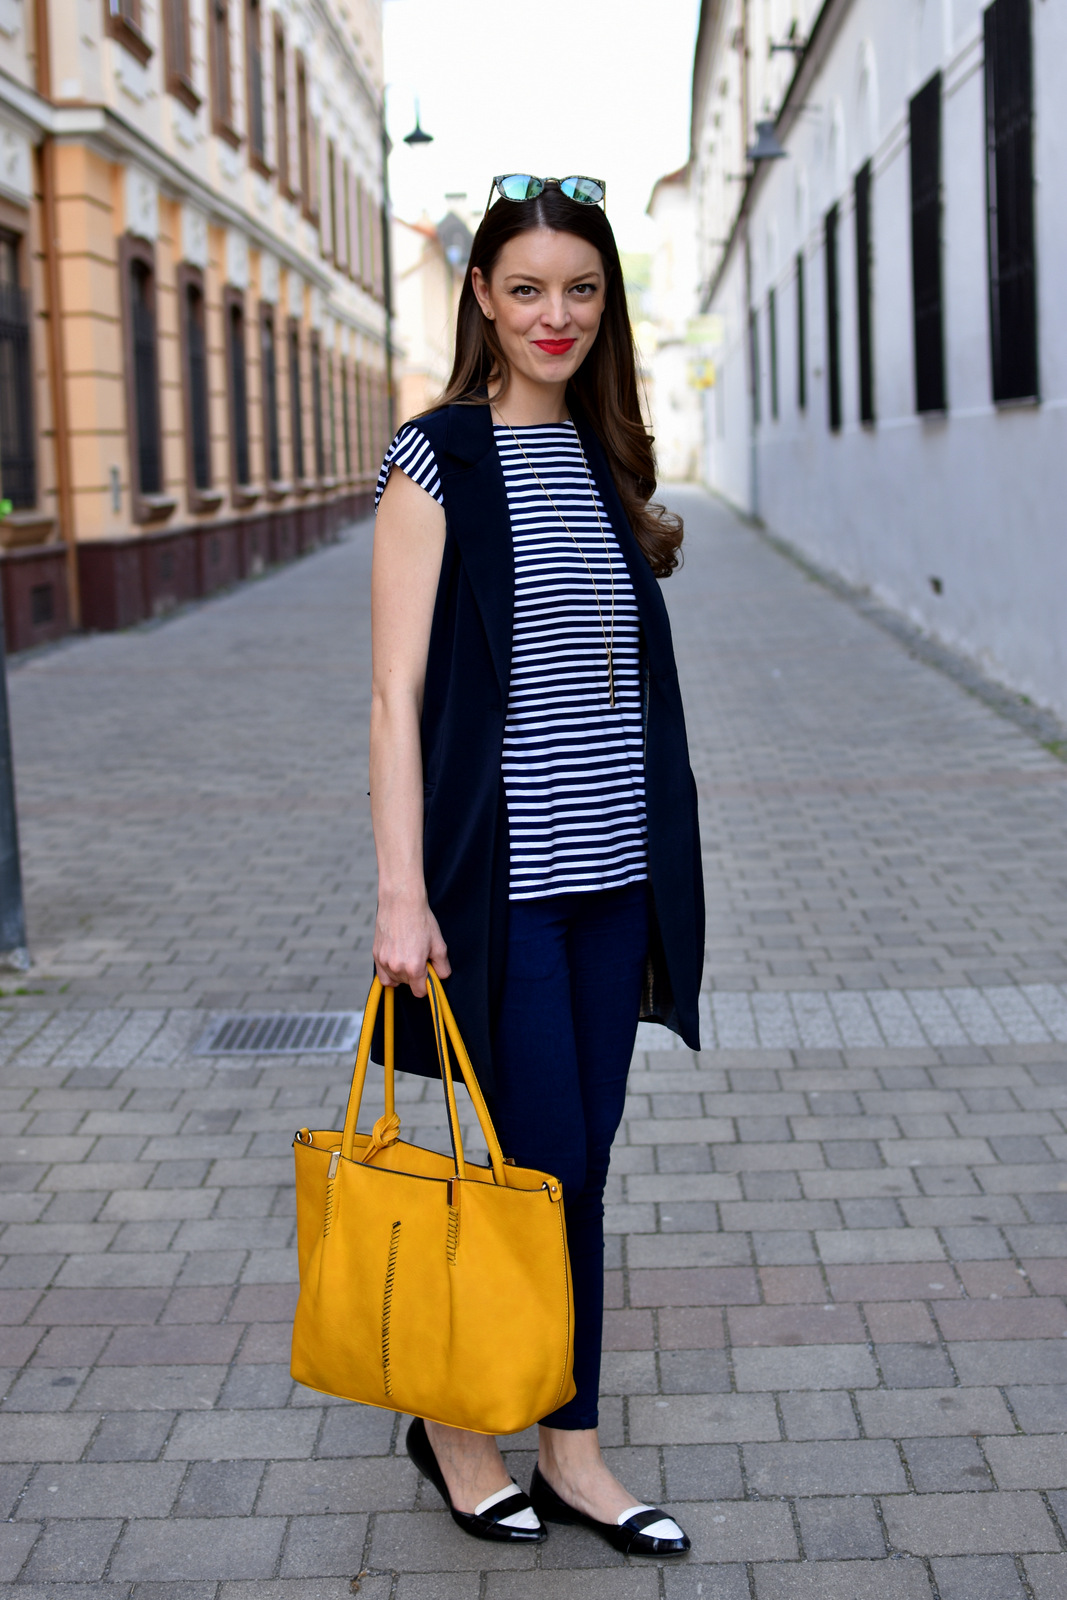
(864, 292)
(926, 275)
(802, 338)
(18, 441)
(1010, 199)
(236, 363)
(296, 401)
(833, 323)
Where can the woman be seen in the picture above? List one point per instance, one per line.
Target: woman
(534, 813)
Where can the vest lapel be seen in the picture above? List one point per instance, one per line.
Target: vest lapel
(476, 510)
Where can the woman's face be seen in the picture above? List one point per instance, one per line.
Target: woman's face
(546, 297)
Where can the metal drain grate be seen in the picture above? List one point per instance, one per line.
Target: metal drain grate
(286, 1033)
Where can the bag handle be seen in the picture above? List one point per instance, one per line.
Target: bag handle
(445, 1031)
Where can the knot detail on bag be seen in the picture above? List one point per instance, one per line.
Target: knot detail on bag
(385, 1132)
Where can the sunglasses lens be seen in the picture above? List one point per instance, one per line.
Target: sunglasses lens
(585, 190)
(520, 186)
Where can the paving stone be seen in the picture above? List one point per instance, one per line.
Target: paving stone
(830, 1366)
(703, 1419)
(1020, 1463)
(32, 1437)
(857, 1466)
(72, 1552)
(323, 1546)
(913, 1366)
(844, 1580)
(139, 1389)
(102, 1490)
(16, 1542)
(840, 1529)
(187, 1547)
(818, 1416)
(243, 1435)
(1047, 1575)
(964, 1524)
(1040, 1408)
(429, 1541)
(693, 1582)
(933, 1413)
(944, 1464)
(738, 1530)
(977, 1578)
(220, 1489)
(1010, 1361)
(690, 1372)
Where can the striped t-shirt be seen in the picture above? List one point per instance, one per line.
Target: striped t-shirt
(573, 765)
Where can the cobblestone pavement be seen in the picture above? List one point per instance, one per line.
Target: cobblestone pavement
(838, 1257)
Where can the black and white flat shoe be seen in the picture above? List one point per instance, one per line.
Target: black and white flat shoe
(506, 1517)
(640, 1531)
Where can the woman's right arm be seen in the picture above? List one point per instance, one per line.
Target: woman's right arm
(409, 540)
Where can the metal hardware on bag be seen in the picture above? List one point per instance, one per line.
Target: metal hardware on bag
(451, 1191)
(509, 1161)
(302, 1136)
(555, 1191)
(334, 1161)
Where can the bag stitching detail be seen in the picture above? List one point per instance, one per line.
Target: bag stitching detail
(387, 1305)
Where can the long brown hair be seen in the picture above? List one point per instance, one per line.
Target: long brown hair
(605, 385)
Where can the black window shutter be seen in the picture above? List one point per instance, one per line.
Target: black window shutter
(802, 338)
(925, 120)
(864, 292)
(772, 335)
(833, 329)
(1010, 199)
(296, 408)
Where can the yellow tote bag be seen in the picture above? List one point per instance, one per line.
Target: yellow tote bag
(430, 1285)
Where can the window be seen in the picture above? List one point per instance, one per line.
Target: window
(179, 54)
(802, 337)
(366, 267)
(281, 110)
(296, 401)
(754, 372)
(268, 373)
(332, 398)
(833, 330)
(362, 444)
(346, 421)
(346, 206)
(18, 442)
(925, 119)
(194, 360)
(1010, 199)
(257, 148)
(123, 18)
(316, 407)
(236, 367)
(146, 447)
(221, 72)
(331, 183)
(772, 336)
(302, 132)
(863, 292)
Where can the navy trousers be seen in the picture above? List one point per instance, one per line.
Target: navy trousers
(561, 1054)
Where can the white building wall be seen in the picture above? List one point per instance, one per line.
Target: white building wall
(975, 498)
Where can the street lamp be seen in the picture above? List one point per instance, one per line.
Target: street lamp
(417, 136)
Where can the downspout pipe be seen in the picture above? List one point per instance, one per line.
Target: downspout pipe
(56, 363)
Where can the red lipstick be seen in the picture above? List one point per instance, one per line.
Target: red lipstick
(555, 347)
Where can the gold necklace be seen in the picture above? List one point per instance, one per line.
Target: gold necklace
(609, 639)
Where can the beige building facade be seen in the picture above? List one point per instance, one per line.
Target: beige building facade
(193, 327)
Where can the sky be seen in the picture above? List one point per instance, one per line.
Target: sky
(553, 87)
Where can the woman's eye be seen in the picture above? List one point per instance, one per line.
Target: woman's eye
(524, 290)
(585, 289)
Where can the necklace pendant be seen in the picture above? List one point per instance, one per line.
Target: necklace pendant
(611, 681)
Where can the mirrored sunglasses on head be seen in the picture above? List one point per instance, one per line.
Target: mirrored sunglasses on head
(522, 186)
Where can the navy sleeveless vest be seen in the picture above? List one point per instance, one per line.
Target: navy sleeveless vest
(468, 667)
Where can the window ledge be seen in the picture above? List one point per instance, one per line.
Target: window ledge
(306, 485)
(277, 489)
(182, 89)
(259, 164)
(228, 135)
(205, 500)
(130, 37)
(246, 494)
(155, 507)
(20, 528)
